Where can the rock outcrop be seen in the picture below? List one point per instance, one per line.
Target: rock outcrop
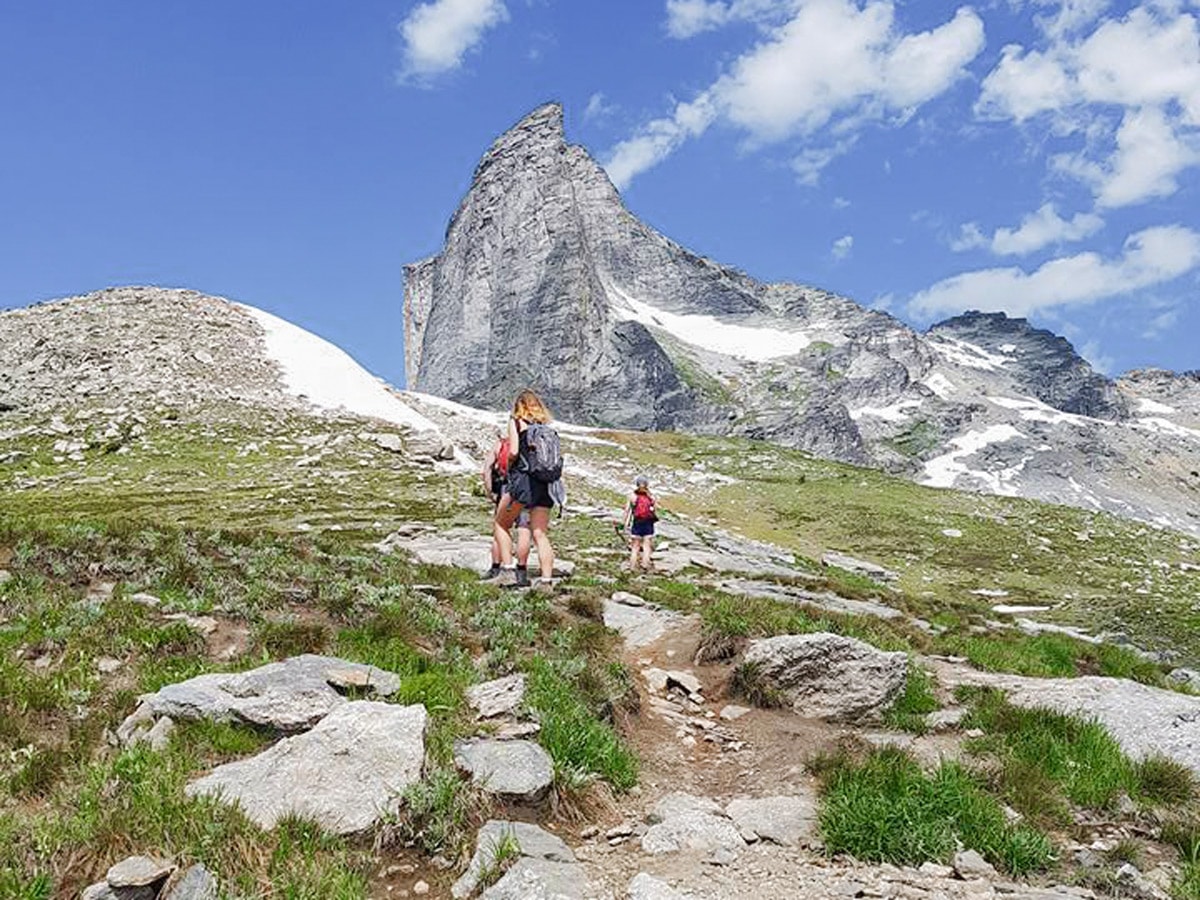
(539, 866)
(345, 774)
(827, 676)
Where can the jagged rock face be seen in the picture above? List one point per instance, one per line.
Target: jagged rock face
(1051, 369)
(517, 287)
(547, 281)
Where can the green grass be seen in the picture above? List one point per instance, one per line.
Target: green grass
(915, 703)
(577, 739)
(441, 813)
(1050, 656)
(884, 808)
(1048, 759)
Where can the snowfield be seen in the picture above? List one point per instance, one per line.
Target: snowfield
(944, 471)
(326, 376)
(710, 333)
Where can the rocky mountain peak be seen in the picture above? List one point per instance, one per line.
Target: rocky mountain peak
(1044, 364)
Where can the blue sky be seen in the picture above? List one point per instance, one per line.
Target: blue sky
(1037, 157)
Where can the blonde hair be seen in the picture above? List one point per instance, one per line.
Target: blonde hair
(528, 407)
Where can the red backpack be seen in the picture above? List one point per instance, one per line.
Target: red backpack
(500, 466)
(643, 508)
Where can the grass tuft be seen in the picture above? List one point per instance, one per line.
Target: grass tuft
(1164, 781)
(576, 738)
(748, 683)
(885, 809)
(914, 704)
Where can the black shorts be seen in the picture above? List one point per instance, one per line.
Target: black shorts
(529, 492)
(642, 528)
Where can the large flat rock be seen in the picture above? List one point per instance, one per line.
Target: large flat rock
(685, 822)
(828, 676)
(1145, 720)
(346, 773)
(464, 549)
(787, 820)
(545, 868)
(639, 625)
(288, 696)
(517, 770)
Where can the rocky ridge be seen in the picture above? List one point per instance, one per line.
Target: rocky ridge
(632, 330)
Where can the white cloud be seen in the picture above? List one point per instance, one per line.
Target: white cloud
(657, 140)
(969, 238)
(842, 247)
(1042, 228)
(840, 203)
(812, 161)
(1150, 153)
(1150, 257)
(437, 35)
(830, 60)
(1142, 71)
(688, 18)
(1100, 360)
(1160, 324)
(1023, 85)
(598, 108)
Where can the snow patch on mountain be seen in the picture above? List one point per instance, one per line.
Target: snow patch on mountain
(964, 353)
(896, 412)
(945, 470)
(710, 333)
(1152, 407)
(327, 376)
(1032, 410)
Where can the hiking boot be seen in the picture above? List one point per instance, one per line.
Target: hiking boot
(490, 573)
(545, 585)
(503, 578)
(522, 577)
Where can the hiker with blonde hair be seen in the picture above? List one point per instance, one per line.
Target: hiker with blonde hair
(534, 484)
(640, 516)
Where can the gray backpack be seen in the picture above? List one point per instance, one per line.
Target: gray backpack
(543, 458)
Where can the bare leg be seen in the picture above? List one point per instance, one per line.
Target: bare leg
(506, 514)
(523, 542)
(539, 522)
(634, 545)
(647, 546)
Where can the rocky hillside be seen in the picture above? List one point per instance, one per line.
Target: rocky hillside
(244, 653)
(621, 327)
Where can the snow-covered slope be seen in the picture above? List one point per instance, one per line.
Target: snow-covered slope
(315, 370)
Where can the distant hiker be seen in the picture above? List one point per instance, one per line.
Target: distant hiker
(640, 516)
(534, 484)
(495, 482)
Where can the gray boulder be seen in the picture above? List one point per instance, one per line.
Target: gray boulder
(517, 770)
(133, 878)
(828, 676)
(195, 883)
(686, 822)
(647, 887)
(345, 774)
(288, 696)
(639, 625)
(790, 821)
(861, 567)
(545, 868)
(501, 697)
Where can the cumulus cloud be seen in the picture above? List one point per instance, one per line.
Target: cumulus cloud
(598, 108)
(842, 247)
(1141, 71)
(1150, 153)
(1150, 257)
(437, 35)
(828, 60)
(1037, 230)
(688, 18)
